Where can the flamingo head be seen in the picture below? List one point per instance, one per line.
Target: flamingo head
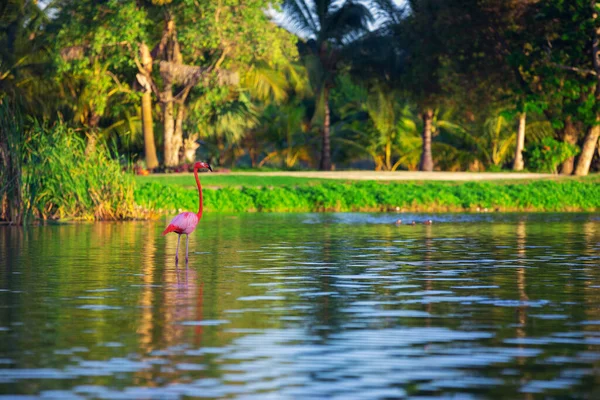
(202, 165)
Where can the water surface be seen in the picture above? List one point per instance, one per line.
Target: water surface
(304, 306)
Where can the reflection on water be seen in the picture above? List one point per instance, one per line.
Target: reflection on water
(304, 306)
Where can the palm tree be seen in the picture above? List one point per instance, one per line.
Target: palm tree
(329, 27)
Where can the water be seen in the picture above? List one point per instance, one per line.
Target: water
(304, 306)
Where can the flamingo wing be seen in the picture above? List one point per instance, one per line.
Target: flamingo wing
(183, 223)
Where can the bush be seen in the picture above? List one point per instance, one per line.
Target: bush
(61, 180)
(544, 195)
(548, 154)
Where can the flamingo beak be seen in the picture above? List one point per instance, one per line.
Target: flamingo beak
(209, 168)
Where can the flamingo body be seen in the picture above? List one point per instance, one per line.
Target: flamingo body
(182, 224)
(185, 223)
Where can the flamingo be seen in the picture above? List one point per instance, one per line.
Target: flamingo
(186, 222)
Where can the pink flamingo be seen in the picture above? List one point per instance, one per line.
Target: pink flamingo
(186, 222)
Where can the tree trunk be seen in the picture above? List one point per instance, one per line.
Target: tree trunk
(12, 207)
(221, 148)
(147, 124)
(518, 163)
(252, 145)
(326, 148)
(171, 156)
(388, 155)
(587, 152)
(178, 136)
(569, 136)
(288, 156)
(426, 158)
(147, 127)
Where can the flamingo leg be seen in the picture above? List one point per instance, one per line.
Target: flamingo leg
(177, 252)
(187, 240)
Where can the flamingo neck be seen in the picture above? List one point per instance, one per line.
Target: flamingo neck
(199, 193)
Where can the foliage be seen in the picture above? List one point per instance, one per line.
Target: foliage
(360, 70)
(217, 180)
(329, 28)
(383, 127)
(545, 195)
(548, 154)
(60, 184)
(89, 52)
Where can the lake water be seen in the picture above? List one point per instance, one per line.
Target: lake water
(304, 306)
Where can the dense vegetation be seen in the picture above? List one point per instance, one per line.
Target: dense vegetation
(547, 195)
(57, 178)
(479, 85)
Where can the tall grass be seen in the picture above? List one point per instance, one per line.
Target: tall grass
(46, 174)
(63, 181)
(544, 195)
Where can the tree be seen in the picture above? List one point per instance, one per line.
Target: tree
(383, 126)
(147, 123)
(90, 54)
(25, 65)
(413, 33)
(205, 45)
(329, 27)
(561, 61)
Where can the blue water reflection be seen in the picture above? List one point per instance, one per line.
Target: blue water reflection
(304, 306)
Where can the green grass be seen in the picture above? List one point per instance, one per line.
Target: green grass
(541, 195)
(216, 180)
(61, 181)
(225, 180)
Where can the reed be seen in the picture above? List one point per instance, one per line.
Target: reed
(62, 181)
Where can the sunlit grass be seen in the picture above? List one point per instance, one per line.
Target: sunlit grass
(226, 180)
(216, 180)
(541, 195)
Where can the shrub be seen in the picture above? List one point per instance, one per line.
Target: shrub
(61, 180)
(544, 195)
(548, 154)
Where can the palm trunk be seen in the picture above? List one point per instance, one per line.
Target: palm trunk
(147, 125)
(326, 149)
(426, 158)
(252, 148)
(288, 156)
(587, 152)
(148, 128)
(569, 136)
(221, 148)
(178, 136)
(518, 163)
(388, 155)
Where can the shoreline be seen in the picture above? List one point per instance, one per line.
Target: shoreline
(563, 195)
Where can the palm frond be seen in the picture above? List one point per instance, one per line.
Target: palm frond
(266, 83)
(300, 18)
(346, 23)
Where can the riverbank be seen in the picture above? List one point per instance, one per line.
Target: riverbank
(503, 194)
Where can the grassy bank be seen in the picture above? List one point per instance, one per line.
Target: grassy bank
(543, 195)
(227, 180)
